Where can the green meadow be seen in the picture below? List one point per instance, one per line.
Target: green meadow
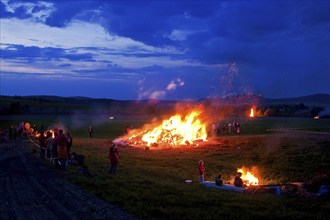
(151, 183)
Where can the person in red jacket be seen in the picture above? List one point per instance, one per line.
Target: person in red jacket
(62, 152)
(201, 170)
(114, 158)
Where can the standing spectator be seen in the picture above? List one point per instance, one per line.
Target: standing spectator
(49, 144)
(218, 128)
(128, 129)
(35, 129)
(114, 158)
(62, 153)
(201, 170)
(238, 128)
(6, 134)
(20, 128)
(90, 131)
(54, 150)
(224, 128)
(11, 132)
(214, 129)
(42, 143)
(68, 144)
(229, 127)
(15, 132)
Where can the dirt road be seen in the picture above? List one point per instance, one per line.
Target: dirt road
(31, 190)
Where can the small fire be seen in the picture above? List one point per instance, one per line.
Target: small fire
(248, 177)
(179, 129)
(37, 135)
(52, 132)
(252, 113)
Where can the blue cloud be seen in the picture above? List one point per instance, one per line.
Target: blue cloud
(30, 53)
(3, 12)
(67, 10)
(65, 65)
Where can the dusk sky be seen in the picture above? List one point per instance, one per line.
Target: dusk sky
(172, 50)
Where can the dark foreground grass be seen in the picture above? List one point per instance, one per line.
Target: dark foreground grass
(151, 183)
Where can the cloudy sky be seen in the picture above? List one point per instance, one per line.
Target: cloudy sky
(164, 49)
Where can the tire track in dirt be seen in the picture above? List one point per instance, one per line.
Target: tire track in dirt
(31, 190)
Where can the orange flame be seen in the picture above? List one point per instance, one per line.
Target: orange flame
(177, 130)
(51, 131)
(252, 113)
(248, 177)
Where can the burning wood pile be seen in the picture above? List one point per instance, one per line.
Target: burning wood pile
(180, 129)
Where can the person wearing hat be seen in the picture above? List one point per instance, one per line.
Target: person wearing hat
(238, 180)
(114, 158)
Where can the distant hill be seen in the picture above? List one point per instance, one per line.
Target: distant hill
(316, 100)
(321, 100)
(69, 105)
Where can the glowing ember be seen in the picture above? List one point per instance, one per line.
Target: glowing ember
(177, 130)
(248, 177)
(252, 113)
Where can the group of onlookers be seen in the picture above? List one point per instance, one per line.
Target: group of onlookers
(21, 129)
(55, 147)
(11, 133)
(238, 182)
(231, 127)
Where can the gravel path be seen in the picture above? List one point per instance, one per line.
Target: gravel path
(31, 190)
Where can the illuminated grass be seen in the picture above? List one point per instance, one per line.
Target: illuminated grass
(150, 184)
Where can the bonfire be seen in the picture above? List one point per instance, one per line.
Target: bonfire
(252, 114)
(248, 176)
(179, 129)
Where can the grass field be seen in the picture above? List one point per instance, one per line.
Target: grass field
(151, 183)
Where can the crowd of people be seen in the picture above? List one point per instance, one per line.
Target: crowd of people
(55, 147)
(231, 127)
(11, 133)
